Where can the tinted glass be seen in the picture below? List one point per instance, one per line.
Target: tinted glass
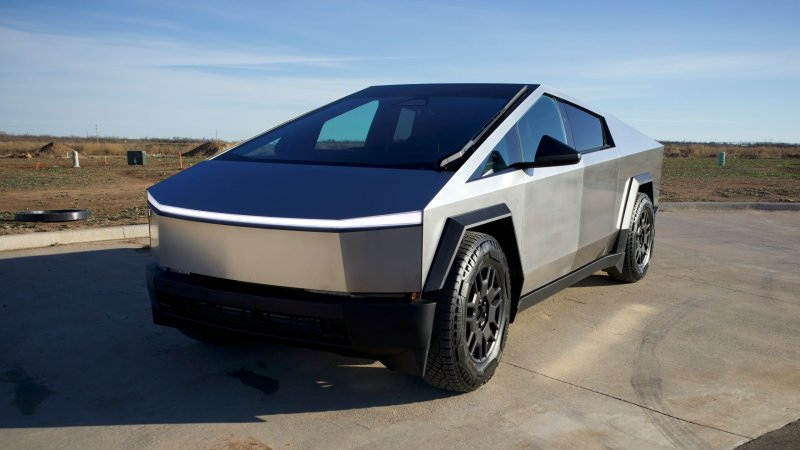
(544, 118)
(504, 154)
(405, 122)
(382, 130)
(587, 129)
(348, 130)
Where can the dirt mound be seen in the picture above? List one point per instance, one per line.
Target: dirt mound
(209, 148)
(54, 149)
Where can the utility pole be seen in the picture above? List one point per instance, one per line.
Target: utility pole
(216, 138)
(96, 136)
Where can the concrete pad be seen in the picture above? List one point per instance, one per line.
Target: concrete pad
(703, 353)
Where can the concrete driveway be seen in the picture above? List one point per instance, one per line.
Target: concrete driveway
(703, 353)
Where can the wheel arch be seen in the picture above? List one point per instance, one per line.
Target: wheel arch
(647, 189)
(503, 231)
(643, 183)
(495, 221)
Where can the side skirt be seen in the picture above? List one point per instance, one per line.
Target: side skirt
(546, 291)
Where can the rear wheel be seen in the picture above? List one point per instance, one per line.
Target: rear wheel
(639, 244)
(472, 316)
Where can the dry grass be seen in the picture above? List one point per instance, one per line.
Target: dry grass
(711, 150)
(13, 147)
(14, 144)
(121, 148)
(101, 148)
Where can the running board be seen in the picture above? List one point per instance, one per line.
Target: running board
(568, 280)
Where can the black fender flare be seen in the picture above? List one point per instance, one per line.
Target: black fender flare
(633, 186)
(453, 232)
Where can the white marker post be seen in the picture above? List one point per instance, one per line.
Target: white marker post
(76, 162)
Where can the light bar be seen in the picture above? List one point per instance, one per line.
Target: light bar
(386, 220)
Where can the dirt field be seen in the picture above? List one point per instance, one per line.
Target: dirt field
(112, 190)
(741, 180)
(115, 194)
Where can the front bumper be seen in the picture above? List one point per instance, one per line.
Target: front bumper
(393, 330)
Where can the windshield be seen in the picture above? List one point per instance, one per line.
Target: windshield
(387, 126)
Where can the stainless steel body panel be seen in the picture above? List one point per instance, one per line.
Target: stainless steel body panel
(552, 223)
(598, 207)
(638, 154)
(370, 261)
(564, 217)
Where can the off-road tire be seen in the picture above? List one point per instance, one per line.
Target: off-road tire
(468, 316)
(639, 244)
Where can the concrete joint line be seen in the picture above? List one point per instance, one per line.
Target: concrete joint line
(626, 401)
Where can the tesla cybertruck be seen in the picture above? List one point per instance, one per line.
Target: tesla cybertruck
(408, 224)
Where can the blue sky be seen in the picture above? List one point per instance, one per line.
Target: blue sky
(677, 70)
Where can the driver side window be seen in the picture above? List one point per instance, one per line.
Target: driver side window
(544, 118)
(504, 154)
(521, 142)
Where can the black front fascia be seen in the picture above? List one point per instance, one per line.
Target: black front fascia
(392, 329)
(453, 233)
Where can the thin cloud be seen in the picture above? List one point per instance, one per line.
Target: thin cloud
(123, 84)
(44, 49)
(750, 65)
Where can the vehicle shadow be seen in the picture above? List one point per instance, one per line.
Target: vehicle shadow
(596, 281)
(78, 348)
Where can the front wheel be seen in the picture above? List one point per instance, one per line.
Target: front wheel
(639, 244)
(472, 316)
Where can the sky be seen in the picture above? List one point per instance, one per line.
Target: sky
(677, 70)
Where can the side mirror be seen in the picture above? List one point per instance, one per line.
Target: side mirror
(552, 152)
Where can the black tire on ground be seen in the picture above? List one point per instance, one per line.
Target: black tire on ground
(211, 336)
(472, 317)
(639, 244)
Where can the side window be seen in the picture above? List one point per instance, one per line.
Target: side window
(544, 118)
(347, 130)
(265, 150)
(587, 129)
(405, 123)
(504, 154)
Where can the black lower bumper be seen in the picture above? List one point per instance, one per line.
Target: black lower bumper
(395, 331)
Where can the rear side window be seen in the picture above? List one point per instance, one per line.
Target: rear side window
(587, 129)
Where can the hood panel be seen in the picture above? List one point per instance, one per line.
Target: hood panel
(299, 191)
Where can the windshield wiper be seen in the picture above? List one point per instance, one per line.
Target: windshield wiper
(447, 162)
